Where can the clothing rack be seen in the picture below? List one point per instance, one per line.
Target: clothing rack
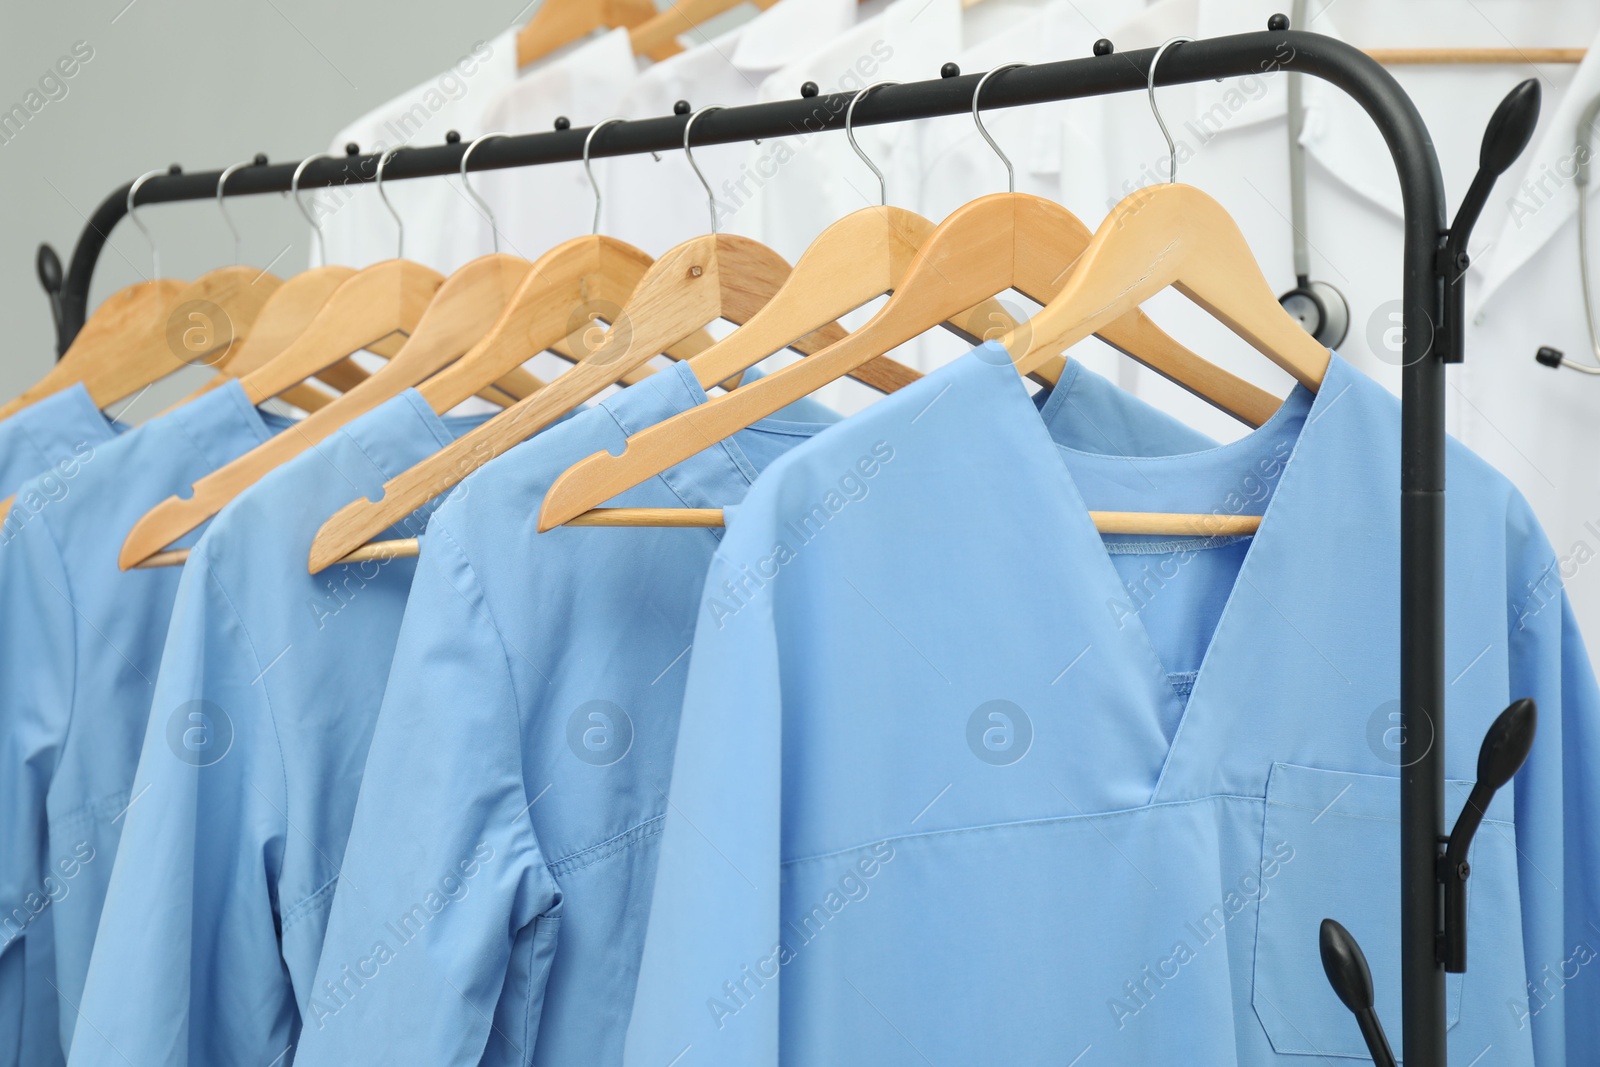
(1433, 268)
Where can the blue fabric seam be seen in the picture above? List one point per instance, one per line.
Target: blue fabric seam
(91, 810)
(308, 905)
(77, 624)
(210, 576)
(588, 857)
(1054, 819)
(1162, 548)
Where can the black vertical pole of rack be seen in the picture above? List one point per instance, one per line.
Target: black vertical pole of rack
(1421, 635)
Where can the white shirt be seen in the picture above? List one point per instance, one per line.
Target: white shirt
(658, 204)
(356, 228)
(537, 208)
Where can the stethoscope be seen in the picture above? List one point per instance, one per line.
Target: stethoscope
(1317, 306)
(1554, 357)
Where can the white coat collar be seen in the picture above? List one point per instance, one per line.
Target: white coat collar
(1537, 197)
(793, 28)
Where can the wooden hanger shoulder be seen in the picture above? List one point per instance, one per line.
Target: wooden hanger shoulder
(376, 301)
(1173, 235)
(995, 243)
(453, 321)
(691, 285)
(855, 260)
(584, 272)
(128, 313)
(284, 317)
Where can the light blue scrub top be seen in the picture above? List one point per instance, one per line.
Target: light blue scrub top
(939, 796)
(82, 642)
(264, 706)
(498, 876)
(61, 428)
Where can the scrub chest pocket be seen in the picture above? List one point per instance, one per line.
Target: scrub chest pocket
(1345, 832)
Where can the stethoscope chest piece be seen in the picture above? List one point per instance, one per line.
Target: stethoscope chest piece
(1321, 309)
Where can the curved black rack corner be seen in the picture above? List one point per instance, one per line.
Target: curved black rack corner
(1426, 279)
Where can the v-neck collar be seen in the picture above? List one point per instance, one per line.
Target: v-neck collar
(1285, 508)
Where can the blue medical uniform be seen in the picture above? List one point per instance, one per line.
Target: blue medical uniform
(958, 779)
(58, 429)
(251, 763)
(82, 642)
(497, 880)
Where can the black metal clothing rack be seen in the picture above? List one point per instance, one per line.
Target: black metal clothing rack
(1432, 276)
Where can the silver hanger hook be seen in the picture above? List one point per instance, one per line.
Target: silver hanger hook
(222, 206)
(1150, 85)
(594, 186)
(383, 161)
(133, 191)
(294, 191)
(977, 117)
(711, 200)
(850, 132)
(483, 204)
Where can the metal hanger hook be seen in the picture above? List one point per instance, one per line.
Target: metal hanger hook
(1011, 172)
(850, 132)
(294, 191)
(711, 200)
(133, 191)
(222, 206)
(1150, 85)
(594, 186)
(483, 205)
(383, 161)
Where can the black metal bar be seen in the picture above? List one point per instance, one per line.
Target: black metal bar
(1422, 432)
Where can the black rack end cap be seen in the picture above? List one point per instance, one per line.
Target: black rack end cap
(1346, 966)
(563, 123)
(175, 168)
(352, 149)
(1506, 746)
(452, 137)
(950, 70)
(48, 265)
(681, 108)
(1510, 127)
(1278, 23)
(1550, 357)
(260, 160)
(1104, 47)
(809, 89)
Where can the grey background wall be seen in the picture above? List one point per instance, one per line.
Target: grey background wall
(197, 82)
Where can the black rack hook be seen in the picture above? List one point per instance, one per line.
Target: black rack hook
(48, 266)
(1505, 748)
(1508, 133)
(1346, 967)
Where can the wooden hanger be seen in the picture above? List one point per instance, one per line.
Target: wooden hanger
(1173, 235)
(203, 321)
(998, 242)
(95, 357)
(558, 23)
(284, 317)
(462, 310)
(704, 279)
